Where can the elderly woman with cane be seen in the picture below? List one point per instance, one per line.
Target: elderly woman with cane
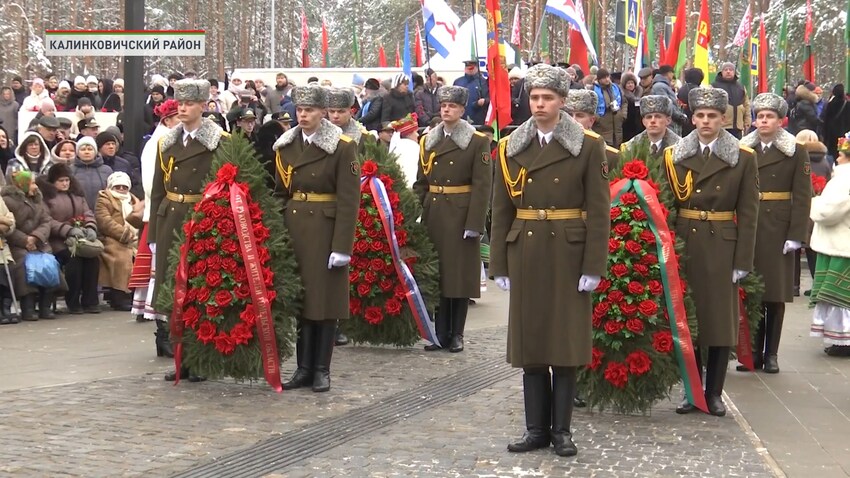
(7, 291)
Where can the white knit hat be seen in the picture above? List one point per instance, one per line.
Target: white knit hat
(91, 79)
(118, 178)
(86, 140)
(399, 79)
(516, 72)
(64, 84)
(79, 79)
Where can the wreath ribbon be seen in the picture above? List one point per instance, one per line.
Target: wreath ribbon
(744, 348)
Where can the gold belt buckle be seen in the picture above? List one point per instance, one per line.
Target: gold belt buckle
(303, 196)
(703, 215)
(542, 214)
(181, 198)
(440, 189)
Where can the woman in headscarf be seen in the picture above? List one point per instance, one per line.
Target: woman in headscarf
(71, 218)
(30, 155)
(31, 234)
(119, 218)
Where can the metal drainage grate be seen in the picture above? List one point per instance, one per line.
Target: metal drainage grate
(278, 453)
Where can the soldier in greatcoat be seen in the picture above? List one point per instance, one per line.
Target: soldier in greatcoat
(785, 195)
(453, 183)
(715, 187)
(183, 161)
(549, 248)
(581, 105)
(340, 101)
(656, 112)
(318, 179)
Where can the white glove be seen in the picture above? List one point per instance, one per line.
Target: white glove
(503, 282)
(338, 260)
(153, 247)
(791, 246)
(738, 275)
(588, 283)
(470, 234)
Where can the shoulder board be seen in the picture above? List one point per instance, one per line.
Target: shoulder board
(747, 149)
(225, 134)
(611, 149)
(479, 133)
(345, 138)
(592, 134)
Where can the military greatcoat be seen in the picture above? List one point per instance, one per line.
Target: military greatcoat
(727, 181)
(549, 320)
(783, 168)
(328, 165)
(182, 171)
(462, 159)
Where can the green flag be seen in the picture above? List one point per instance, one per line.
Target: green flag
(594, 35)
(781, 58)
(544, 38)
(356, 48)
(744, 68)
(650, 39)
(847, 45)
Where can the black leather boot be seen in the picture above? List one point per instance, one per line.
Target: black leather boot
(715, 377)
(460, 307)
(14, 318)
(28, 308)
(185, 374)
(326, 333)
(686, 406)
(442, 325)
(120, 301)
(304, 347)
(163, 341)
(45, 304)
(758, 349)
(537, 394)
(775, 318)
(5, 314)
(341, 338)
(563, 389)
(578, 400)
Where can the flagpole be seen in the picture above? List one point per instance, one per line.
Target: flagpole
(534, 44)
(475, 45)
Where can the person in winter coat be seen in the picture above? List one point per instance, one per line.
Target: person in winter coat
(662, 84)
(71, 218)
(80, 90)
(737, 118)
(693, 78)
(479, 92)
(835, 119)
(7, 152)
(7, 226)
(107, 145)
(9, 111)
(30, 155)
(31, 234)
(610, 111)
(18, 88)
(119, 220)
(804, 115)
(274, 96)
(520, 108)
(37, 94)
(156, 98)
(115, 101)
(288, 107)
(64, 152)
(632, 92)
(822, 167)
(61, 97)
(104, 89)
(370, 113)
(427, 103)
(85, 110)
(89, 170)
(398, 103)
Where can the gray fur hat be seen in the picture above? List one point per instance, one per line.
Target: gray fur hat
(582, 101)
(656, 104)
(546, 76)
(453, 94)
(310, 95)
(770, 101)
(340, 98)
(708, 97)
(191, 90)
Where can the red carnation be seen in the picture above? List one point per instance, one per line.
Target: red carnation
(219, 212)
(191, 316)
(210, 245)
(401, 237)
(229, 246)
(261, 233)
(353, 275)
(629, 199)
(214, 279)
(369, 168)
(616, 296)
(596, 358)
(361, 247)
(612, 327)
(399, 291)
(227, 173)
(369, 223)
(648, 308)
(243, 292)
(393, 307)
(226, 227)
(362, 215)
(271, 295)
(635, 170)
(662, 341)
(239, 275)
(615, 212)
(370, 277)
(249, 315)
(601, 309)
(398, 220)
(203, 294)
(619, 270)
(198, 268)
(214, 262)
(640, 269)
(206, 224)
(596, 322)
(617, 374)
(198, 247)
(647, 236)
(634, 248)
(374, 315)
(386, 285)
(377, 264)
(263, 255)
(229, 265)
(628, 309)
(354, 306)
(635, 288)
(388, 181)
(649, 259)
(224, 344)
(363, 289)
(376, 246)
(613, 245)
(206, 332)
(635, 326)
(604, 285)
(213, 311)
(655, 287)
(638, 362)
(639, 215)
(241, 334)
(621, 229)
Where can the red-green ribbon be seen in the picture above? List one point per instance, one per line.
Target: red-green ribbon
(745, 352)
(673, 293)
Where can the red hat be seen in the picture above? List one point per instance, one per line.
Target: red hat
(165, 109)
(406, 125)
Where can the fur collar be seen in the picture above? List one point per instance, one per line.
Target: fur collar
(209, 134)
(326, 138)
(353, 130)
(784, 142)
(461, 135)
(567, 132)
(11, 190)
(726, 148)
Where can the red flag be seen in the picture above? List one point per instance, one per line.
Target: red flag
(418, 47)
(499, 112)
(305, 41)
(382, 57)
(397, 56)
(324, 44)
(662, 47)
(671, 56)
(762, 58)
(578, 50)
(808, 56)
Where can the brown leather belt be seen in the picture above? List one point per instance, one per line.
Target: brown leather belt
(450, 189)
(313, 197)
(773, 196)
(706, 215)
(183, 198)
(550, 214)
